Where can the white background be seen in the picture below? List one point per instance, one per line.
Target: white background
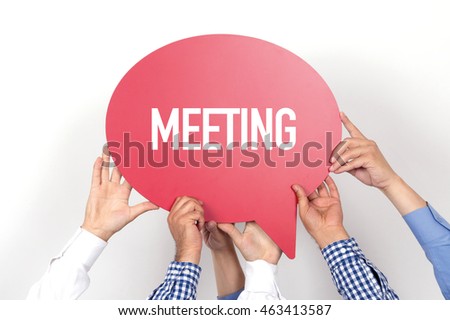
(387, 62)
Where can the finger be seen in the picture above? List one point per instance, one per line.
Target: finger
(105, 165)
(127, 185)
(190, 206)
(97, 172)
(211, 227)
(181, 201)
(253, 227)
(351, 128)
(175, 204)
(334, 192)
(201, 222)
(340, 148)
(323, 191)
(355, 164)
(232, 232)
(345, 145)
(301, 197)
(140, 208)
(350, 154)
(314, 195)
(194, 217)
(116, 175)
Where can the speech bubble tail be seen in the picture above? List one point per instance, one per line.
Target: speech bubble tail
(283, 228)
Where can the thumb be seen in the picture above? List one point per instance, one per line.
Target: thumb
(140, 208)
(232, 232)
(302, 199)
(211, 227)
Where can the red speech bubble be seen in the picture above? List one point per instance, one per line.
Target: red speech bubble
(231, 120)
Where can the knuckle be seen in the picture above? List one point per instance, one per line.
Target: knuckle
(196, 213)
(193, 202)
(372, 146)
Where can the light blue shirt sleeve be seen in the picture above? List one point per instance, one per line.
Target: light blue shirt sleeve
(433, 234)
(232, 296)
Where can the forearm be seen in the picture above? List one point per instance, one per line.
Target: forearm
(433, 233)
(355, 277)
(403, 197)
(227, 268)
(67, 275)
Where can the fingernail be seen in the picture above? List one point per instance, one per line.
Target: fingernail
(342, 114)
(294, 187)
(333, 159)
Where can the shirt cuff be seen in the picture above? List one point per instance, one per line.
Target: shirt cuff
(339, 251)
(427, 225)
(260, 282)
(259, 276)
(185, 271)
(232, 296)
(84, 248)
(180, 282)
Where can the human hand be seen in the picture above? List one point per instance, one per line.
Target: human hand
(186, 220)
(362, 158)
(107, 209)
(321, 213)
(253, 243)
(216, 239)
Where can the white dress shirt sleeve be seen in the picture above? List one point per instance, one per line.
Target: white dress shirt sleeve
(67, 275)
(260, 282)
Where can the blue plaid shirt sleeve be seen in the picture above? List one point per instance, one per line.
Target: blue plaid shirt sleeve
(180, 282)
(355, 277)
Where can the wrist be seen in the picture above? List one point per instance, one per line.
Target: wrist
(329, 235)
(272, 257)
(392, 183)
(403, 197)
(224, 255)
(224, 250)
(102, 234)
(192, 256)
